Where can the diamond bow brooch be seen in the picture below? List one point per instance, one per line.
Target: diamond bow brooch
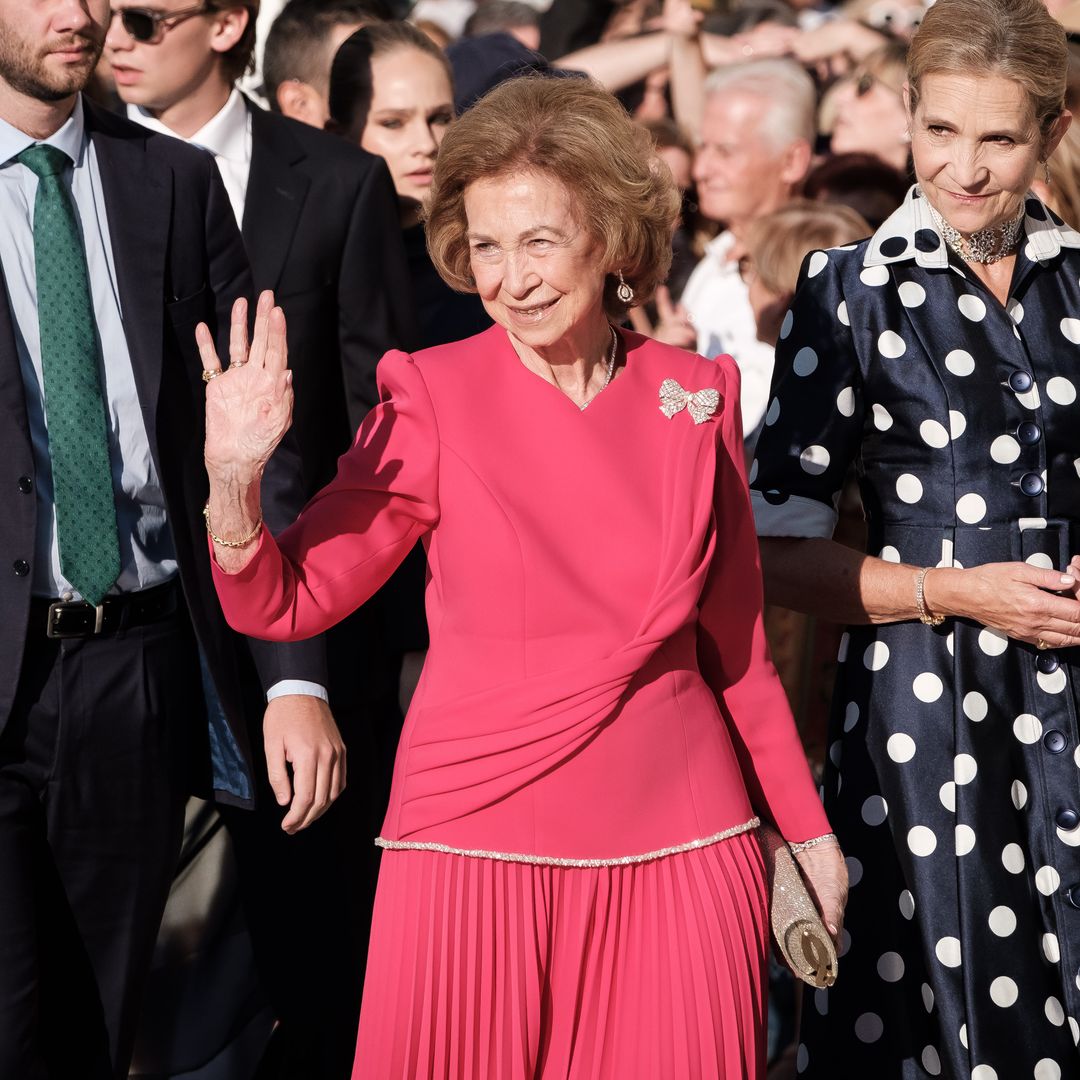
(700, 404)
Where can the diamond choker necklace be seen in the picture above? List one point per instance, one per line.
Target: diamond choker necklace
(987, 245)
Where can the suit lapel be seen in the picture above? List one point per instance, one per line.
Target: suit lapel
(138, 203)
(275, 197)
(12, 392)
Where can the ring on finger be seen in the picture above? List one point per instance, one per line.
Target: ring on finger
(1042, 644)
(207, 376)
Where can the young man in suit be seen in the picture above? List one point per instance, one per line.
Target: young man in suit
(320, 224)
(115, 243)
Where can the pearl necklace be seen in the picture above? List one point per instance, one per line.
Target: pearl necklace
(986, 245)
(610, 369)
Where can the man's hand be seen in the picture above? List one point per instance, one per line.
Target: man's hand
(299, 730)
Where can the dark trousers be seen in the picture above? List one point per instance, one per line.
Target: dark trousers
(94, 766)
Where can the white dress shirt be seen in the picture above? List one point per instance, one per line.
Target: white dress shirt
(719, 304)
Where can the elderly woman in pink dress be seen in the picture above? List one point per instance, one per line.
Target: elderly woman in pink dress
(571, 884)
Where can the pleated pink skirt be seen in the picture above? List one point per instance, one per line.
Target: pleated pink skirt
(487, 970)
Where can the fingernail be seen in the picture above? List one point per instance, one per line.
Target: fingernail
(832, 929)
(1066, 579)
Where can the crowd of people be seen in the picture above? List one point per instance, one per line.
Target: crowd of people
(480, 462)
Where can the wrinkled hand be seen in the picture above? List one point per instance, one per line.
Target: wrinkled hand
(1016, 598)
(673, 325)
(299, 731)
(826, 876)
(249, 405)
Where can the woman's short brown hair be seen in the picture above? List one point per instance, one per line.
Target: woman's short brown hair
(575, 132)
(1016, 39)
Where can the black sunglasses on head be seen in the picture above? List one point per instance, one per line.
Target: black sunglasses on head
(146, 24)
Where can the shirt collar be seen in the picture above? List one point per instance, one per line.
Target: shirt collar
(70, 137)
(719, 247)
(225, 134)
(911, 233)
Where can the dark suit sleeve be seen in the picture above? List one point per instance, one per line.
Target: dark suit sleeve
(283, 491)
(375, 304)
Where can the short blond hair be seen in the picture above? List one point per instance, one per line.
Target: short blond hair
(778, 243)
(1016, 39)
(575, 132)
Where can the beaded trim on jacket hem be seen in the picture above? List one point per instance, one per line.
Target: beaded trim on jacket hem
(549, 860)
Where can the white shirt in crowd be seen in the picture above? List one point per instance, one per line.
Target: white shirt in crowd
(719, 304)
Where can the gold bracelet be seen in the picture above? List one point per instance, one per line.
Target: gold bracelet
(230, 543)
(925, 616)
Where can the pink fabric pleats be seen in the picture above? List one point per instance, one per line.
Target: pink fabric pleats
(488, 970)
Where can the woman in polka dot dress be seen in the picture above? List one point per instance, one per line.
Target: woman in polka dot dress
(942, 358)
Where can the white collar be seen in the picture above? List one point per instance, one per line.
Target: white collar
(225, 134)
(719, 247)
(69, 137)
(911, 233)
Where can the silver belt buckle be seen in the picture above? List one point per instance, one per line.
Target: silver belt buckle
(54, 631)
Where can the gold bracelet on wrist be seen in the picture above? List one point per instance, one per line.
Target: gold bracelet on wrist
(230, 543)
(926, 617)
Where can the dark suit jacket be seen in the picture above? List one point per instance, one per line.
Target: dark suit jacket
(321, 229)
(179, 260)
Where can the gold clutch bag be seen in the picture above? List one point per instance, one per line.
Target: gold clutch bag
(798, 931)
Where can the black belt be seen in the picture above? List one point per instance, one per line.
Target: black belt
(80, 619)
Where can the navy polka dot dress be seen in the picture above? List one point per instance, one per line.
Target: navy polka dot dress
(953, 773)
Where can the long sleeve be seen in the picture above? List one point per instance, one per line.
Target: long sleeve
(734, 656)
(353, 533)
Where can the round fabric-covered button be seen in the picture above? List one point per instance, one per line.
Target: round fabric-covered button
(1029, 433)
(1067, 818)
(1031, 484)
(1021, 382)
(1055, 741)
(1047, 662)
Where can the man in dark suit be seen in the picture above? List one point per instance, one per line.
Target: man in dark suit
(114, 244)
(320, 224)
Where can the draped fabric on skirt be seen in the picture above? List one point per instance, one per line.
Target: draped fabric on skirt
(492, 969)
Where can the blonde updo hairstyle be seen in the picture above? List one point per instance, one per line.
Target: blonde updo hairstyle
(1016, 39)
(575, 132)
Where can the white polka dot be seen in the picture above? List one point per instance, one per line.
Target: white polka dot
(874, 276)
(921, 841)
(964, 839)
(786, 325)
(1070, 837)
(1012, 858)
(931, 1062)
(1030, 398)
(971, 508)
(971, 307)
(1041, 560)
(1053, 682)
(963, 1036)
(907, 905)
(802, 1059)
(876, 655)
(981, 1072)
(1015, 311)
(948, 951)
(912, 294)
(805, 362)
(1054, 1012)
(891, 345)
(960, 362)
(845, 402)
(909, 488)
(821, 1002)
(934, 434)
(1047, 880)
(949, 639)
(1051, 948)
(889, 554)
(845, 943)
(890, 967)
(927, 997)
(1004, 450)
(818, 261)
(1002, 921)
(1019, 795)
(814, 460)
(1047, 1069)
(975, 706)
(957, 424)
(854, 871)
(1071, 329)
(842, 313)
(1004, 992)
(774, 412)
(947, 795)
(875, 810)
(851, 716)
(1060, 391)
(965, 768)
(842, 651)
(992, 642)
(1027, 728)
(901, 748)
(882, 420)
(868, 1027)
(1074, 1027)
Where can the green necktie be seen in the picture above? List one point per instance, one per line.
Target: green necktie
(74, 407)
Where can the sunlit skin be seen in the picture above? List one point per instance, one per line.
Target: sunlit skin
(769, 308)
(874, 123)
(412, 105)
(539, 274)
(680, 163)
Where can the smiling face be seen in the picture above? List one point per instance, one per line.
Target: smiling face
(536, 268)
(412, 104)
(976, 147)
